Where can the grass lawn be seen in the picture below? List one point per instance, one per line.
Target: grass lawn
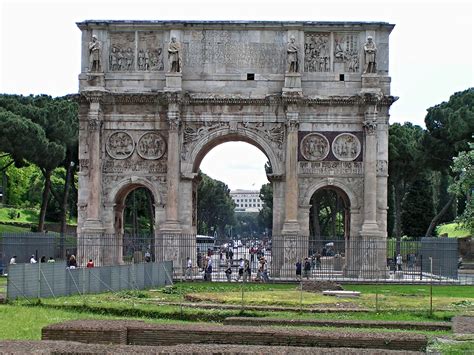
(3, 284)
(26, 215)
(23, 322)
(6, 228)
(452, 230)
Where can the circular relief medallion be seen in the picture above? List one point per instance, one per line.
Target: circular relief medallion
(120, 145)
(314, 146)
(151, 146)
(346, 147)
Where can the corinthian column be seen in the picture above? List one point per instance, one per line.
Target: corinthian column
(291, 226)
(172, 223)
(92, 222)
(369, 226)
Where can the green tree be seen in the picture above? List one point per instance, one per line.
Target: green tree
(215, 207)
(405, 166)
(49, 127)
(450, 126)
(463, 166)
(265, 216)
(417, 208)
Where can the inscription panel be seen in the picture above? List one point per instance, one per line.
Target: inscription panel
(235, 50)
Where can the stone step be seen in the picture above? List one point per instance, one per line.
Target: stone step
(342, 293)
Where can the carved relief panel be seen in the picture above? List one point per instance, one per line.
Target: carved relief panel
(122, 51)
(314, 147)
(346, 52)
(346, 147)
(150, 51)
(316, 52)
(120, 145)
(135, 151)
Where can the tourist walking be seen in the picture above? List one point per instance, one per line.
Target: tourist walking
(247, 271)
(241, 269)
(399, 262)
(228, 271)
(307, 268)
(189, 269)
(298, 270)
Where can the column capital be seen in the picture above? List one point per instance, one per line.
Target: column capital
(174, 120)
(370, 126)
(292, 121)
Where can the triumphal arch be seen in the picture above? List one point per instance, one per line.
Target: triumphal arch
(156, 96)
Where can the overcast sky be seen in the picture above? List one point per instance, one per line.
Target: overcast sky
(431, 51)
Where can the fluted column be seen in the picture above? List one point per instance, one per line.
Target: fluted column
(369, 226)
(172, 221)
(94, 121)
(291, 225)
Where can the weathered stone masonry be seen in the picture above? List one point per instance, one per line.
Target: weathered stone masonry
(166, 92)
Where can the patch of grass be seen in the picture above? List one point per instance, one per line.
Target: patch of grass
(6, 228)
(26, 215)
(453, 348)
(453, 230)
(23, 322)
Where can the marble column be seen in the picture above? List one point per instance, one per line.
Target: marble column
(172, 224)
(93, 223)
(291, 225)
(369, 226)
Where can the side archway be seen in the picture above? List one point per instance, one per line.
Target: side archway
(136, 243)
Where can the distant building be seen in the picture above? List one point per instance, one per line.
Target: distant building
(246, 200)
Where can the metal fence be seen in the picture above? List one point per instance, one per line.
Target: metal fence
(43, 280)
(281, 258)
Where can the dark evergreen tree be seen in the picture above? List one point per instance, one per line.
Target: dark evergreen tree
(215, 207)
(417, 208)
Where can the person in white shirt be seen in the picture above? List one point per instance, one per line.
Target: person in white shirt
(189, 269)
(13, 260)
(33, 260)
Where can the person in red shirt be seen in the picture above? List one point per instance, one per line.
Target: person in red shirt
(90, 263)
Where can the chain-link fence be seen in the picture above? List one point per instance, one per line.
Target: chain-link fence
(276, 259)
(43, 280)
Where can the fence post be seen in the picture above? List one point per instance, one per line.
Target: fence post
(431, 286)
(39, 280)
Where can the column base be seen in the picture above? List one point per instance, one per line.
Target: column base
(370, 229)
(171, 227)
(173, 81)
(96, 79)
(292, 85)
(370, 84)
(92, 226)
(290, 228)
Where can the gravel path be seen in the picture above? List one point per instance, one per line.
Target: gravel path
(16, 347)
(463, 325)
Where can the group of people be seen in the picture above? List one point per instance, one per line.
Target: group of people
(244, 272)
(71, 262)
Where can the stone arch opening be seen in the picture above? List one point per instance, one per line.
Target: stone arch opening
(134, 223)
(215, 139)
(329, 213)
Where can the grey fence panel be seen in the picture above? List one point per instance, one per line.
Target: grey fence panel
(93, 280)
(444, 254)
(139, 274)
(54, 280)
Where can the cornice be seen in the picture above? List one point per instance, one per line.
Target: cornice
(213, 99)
